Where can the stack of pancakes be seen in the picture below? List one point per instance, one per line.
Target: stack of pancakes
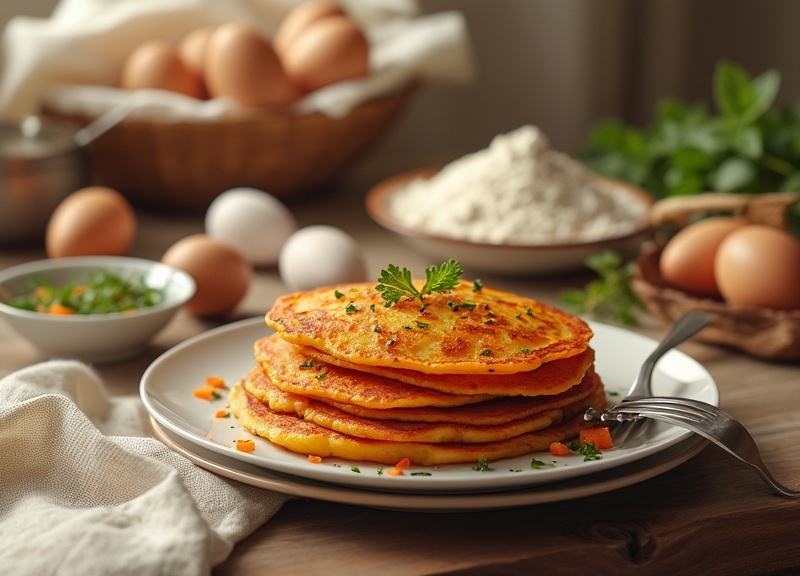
(473, 373)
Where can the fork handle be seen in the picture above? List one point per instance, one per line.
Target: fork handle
(684, 328)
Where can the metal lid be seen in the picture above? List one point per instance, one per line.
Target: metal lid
(34, 139)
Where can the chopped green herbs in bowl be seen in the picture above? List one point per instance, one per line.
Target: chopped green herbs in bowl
(103, 292)
(94, 308)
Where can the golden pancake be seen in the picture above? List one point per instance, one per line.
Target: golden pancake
(552, 378)
(463, 331)
(330, 417)
(294, 371)
(487, 413)
(302, 437)
(288, 365)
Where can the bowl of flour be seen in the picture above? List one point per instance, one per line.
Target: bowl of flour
(515, 207)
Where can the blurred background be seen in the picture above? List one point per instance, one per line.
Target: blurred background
(563, 65)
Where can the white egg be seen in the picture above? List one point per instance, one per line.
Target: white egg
(251, 221)
(320, 256)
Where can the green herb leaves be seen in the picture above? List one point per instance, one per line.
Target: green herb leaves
(395, 283)
(104, 292)
(608, 297)
(747, 146)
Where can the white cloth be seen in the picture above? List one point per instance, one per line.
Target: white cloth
(73, 59)
(83, 490)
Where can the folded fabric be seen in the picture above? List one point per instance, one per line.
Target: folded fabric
(85, 43)
(85, 491)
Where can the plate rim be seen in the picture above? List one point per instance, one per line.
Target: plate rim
(442, 502)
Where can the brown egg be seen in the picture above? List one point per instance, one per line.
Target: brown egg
(192, 51)
(94, 221)
(222, 275)
(241, 64)
(157, 64)
(759, 266)
(299, 18)
(687, 261)
(329, 50)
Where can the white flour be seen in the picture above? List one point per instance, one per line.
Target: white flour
(516, 191)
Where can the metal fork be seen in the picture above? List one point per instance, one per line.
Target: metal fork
(684, 328)
(702, 418)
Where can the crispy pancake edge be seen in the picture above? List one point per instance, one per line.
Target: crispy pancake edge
(307, 438)
(332, 418)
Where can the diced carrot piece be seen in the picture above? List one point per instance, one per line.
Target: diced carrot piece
(245, 445)
(559, 449)
(60, 309)
(204, 393)
(221, 413)
(404, 463)
(395, 471)
(600, 437)
(215, 382)
(314, 459)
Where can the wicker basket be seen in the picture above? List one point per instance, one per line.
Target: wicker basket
(759, 332)
(185, 165)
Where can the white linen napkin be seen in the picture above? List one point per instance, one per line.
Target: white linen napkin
(85, 491)
(72, 60)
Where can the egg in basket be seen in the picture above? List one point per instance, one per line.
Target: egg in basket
(267, 144)
(284, 100)
(739, 262)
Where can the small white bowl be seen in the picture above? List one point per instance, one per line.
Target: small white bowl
(505, 259)
(96, 338)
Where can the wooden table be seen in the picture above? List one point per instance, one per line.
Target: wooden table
(710, 515)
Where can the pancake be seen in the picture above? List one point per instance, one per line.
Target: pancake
(552, 378)
(302, 437)
(332, 418)
(294, 371)
(288, 364)
(463, 331)
(487, 413)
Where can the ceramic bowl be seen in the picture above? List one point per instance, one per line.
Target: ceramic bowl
(96, 338)
(505, 259)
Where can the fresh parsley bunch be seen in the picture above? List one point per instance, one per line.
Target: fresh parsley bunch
(746, 146)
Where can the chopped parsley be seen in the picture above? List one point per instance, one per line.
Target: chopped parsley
(421, 474)
(477, 285)
(539, 465)
(355, 469)
(588, 450)
(338, 294)
(350, 308)
(103, 293)
(485, 352)
(482, 465)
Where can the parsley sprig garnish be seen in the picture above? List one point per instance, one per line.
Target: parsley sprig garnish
(395, 283)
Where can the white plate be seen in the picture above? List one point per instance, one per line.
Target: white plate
(598, 483)
(539, 260)
(227, 352)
